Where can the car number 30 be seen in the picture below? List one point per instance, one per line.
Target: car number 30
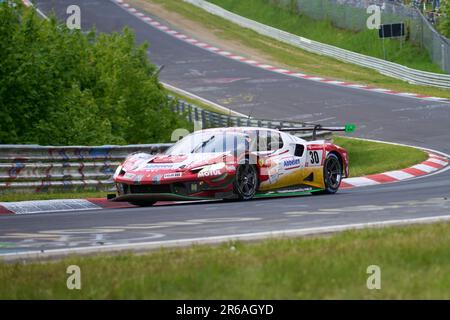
(314, 157)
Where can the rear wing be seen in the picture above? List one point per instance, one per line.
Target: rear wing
(349, 127)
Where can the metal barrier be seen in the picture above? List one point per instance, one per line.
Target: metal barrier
(385, 67)
(33, 168)
(209, 119)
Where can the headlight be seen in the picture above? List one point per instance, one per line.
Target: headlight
(119, 168)
(120, 189)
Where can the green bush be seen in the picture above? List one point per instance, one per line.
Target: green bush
(61, 86)
(284, 15)
(444, 24)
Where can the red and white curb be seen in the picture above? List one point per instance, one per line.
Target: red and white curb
(219, 51)
(432, 164)
(66, 205)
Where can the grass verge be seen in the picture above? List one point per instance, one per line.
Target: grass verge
(365, 42)
(365, 158)
(196, 102)
(414, 263)
(368, 157)
(253, 45)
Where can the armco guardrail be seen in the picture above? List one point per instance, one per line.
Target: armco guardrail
(25, 168)
(209, 119)
(385, 67)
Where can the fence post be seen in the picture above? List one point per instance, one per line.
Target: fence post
(190, 113)
(204, 123)
(210, 119)
(196, 113)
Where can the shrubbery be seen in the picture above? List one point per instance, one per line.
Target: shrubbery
(444, 25)
(62, 87)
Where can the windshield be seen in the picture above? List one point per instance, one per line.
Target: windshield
(210, 142)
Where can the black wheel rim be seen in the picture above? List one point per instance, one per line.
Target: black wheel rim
(334, 173)
(246, 180)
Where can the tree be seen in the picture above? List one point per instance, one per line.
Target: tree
(61, 86)
(444, 24)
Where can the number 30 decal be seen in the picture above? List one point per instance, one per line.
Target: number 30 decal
(315, 157)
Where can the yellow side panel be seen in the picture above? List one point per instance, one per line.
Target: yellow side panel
(296, 177)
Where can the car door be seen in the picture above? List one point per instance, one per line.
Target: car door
(284, 164)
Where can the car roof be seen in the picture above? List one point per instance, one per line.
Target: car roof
(285, 135)
(237, 129)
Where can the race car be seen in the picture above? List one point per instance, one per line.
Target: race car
(233, 163)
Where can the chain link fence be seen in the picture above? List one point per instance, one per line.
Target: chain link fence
(352, 15)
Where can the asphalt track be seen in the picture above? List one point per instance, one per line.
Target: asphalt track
(269, 95)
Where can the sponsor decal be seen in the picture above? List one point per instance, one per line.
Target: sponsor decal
(315, 147)
(274, 177)
(210, 173)
(291, 163)
(194, 187)
(274, 173)
(172, 175)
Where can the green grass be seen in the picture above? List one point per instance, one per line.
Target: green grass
(368, 157)
(364, 42)
(289, 56)
(365, 158)
(414, 262)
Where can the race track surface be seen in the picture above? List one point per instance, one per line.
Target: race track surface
(267, 95)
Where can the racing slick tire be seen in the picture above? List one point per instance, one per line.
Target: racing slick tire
(332, 174)
(246, 181)
(143, 203)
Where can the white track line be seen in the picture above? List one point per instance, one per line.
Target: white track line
(193, 96)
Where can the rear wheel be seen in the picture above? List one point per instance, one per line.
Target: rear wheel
(332, 174)
(246, 181)
(143, 203)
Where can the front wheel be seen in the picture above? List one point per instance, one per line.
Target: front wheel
(245, 182)
(332, 174)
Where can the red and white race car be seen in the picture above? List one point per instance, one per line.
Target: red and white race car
(232, 163)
